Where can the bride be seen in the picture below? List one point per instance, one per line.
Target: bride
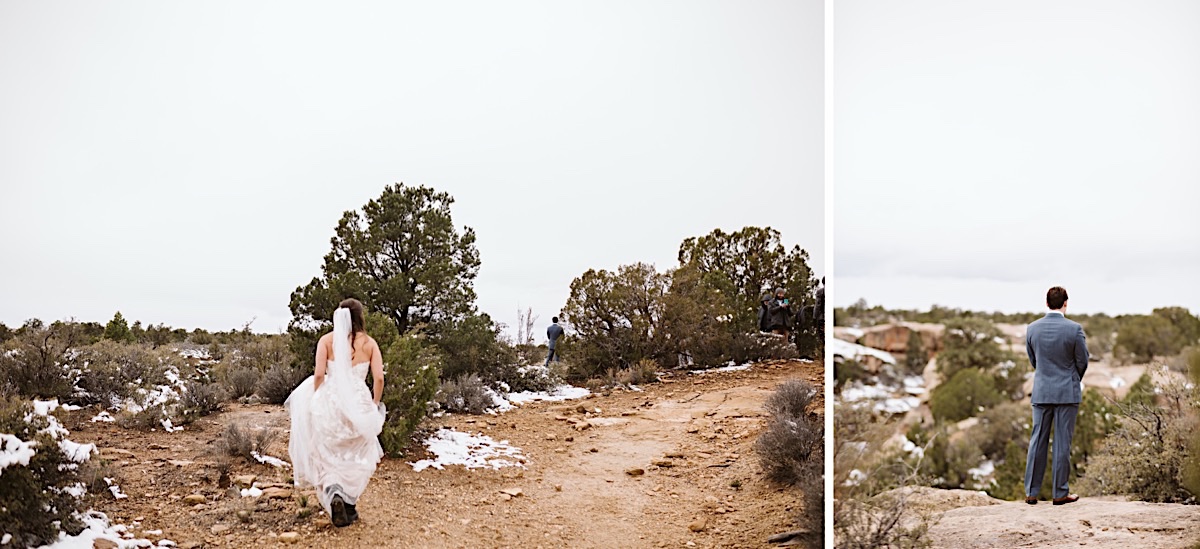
(336, 420)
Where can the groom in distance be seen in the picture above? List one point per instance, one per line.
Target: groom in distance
(1058, 353)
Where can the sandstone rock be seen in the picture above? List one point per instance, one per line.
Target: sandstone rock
(635, 472)
(664, 463)
(194, 499)
(289, 537)
(101, 543)
(551, 436)
(698, 525)
(514, 492)
(245, 481)
(277, 493)
(218, 529)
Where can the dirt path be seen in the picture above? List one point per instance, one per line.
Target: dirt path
(692, 437)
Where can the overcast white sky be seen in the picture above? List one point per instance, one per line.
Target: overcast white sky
(986, 151)
(186, 163)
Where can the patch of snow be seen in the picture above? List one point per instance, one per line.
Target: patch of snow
(855, 332)
(471, 451)
(898, 405)
(104, 417)
(912, 449)
(858, 391)
(854, 351)
(170, 427)
(1116, 382)
(96, 527)
(252, 492)
(562, 392)
(499, 403)
(854, 478)
(7, 538)
(914, 385)
(982, 472)
(271, 460)
(116, 490)
(730, 368)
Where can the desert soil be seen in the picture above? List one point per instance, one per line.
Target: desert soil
(691, 436)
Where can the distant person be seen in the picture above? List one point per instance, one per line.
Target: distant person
(553, 333)
(779, 313)
(1058, 353)
(764, 306)
(335, 418)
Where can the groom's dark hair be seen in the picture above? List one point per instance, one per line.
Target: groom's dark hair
(1056, 297)
(555, 319)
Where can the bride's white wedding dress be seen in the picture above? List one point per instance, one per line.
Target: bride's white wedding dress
(334, 442)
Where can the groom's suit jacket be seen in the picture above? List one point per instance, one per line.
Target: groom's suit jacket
(1058, 352)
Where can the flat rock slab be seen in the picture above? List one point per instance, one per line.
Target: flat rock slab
(1106, 523)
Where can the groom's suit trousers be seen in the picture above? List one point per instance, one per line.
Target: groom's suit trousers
(1062, 418)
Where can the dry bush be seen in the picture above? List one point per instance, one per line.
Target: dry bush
(238, 440)
(241, 382)
(147, 419)
(871, 507)
(1152, 454)
(466, 394)
(792, 448)
(640, 373)
(279, 381)
(199, 400)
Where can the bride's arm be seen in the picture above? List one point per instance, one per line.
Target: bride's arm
(377, 371)
(322, 361)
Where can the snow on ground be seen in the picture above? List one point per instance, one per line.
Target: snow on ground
(271, 460)
(104, 417)
(471, 451)
(252, 492)
(97, 526)
(854, 351)
(887, 398)
(729, 368)
(854, 478)
(982, 473)
(1116, 382)
(562, 392)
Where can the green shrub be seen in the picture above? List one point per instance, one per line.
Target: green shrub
(969, 343)
(1148, 336)
(963, 396)
(410, 383)
(278, 382)
(35, 498)
(915, 356)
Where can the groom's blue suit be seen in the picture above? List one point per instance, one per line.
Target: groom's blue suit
(1058, 352)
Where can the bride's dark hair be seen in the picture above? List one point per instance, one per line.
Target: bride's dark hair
(356, 316)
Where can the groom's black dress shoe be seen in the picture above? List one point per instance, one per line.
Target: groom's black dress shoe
(1032, 500)
(337, 512)
(1065, 500)
(351, 512)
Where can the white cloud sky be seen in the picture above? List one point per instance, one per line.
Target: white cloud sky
(186, 163)
(986, 151)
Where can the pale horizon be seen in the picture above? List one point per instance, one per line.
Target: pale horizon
(186, 164)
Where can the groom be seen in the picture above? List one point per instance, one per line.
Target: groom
(1058, 352)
